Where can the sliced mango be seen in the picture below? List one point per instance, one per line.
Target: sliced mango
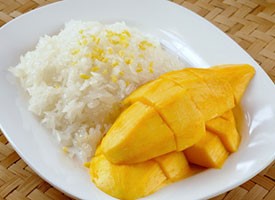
(238, 76)
(181, 115)
(175, 107)
(208, 152)
(226, 130)
(206, 99)
(152, 88)
(137, 135)
(98, 150)
(220, 88)
(229, 115)
(174, 165)
(126, 181)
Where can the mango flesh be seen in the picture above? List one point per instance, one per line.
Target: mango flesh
(135, 134)
(229, 115)
(175, 107)
(149, 89)
(225, 128)
(182, 116)
(126, 181)
(174, 165)
(208, 101)
(238, 76)
(141, 179)
(221, 89)
(208, 152)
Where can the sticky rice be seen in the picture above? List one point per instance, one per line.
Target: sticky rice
(76, 79)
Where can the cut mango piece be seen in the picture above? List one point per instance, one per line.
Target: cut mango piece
(225, 130)
(174, 165)
(221, 89)
(229, 115)
(137, 135)
(151, 88)
(181, 115)
(126, 181)
(98, 150)
(238, 77)
(208, 152)
(176, 108)
(204, 98)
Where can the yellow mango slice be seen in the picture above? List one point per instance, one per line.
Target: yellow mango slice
(126, 181)
(208, 152)
(226, 130)
(98, 150)
(151, 88)
(204, 98)
(175, 107)
(238, 77)
(137, 135)
(229, 115)
(174, 166)
(181, 115)
(222, 90)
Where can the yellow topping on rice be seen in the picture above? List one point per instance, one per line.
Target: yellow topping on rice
(141, 56)
(105, 60)
(84, 42)
(121, 73)
(56, 86)
(114, 63)
(75, 51)
(95, 69)
(151, 69)
(127, 83)
(84, 76)
(98, 54)
(114, 78)
(144, 44)
(118, 38)
(121, 53)
(65, 149)
(95, 39)
(110, 50)
(105, 71)
(139, 68)
(86, 164)
(126, 32)
(128, 61)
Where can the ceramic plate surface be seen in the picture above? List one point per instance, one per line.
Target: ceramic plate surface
(191, 37)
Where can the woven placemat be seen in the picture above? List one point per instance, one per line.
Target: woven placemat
(251, 23)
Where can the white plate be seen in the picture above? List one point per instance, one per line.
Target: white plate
(191, 37)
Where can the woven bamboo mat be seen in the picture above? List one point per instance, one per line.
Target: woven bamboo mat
(251, 23)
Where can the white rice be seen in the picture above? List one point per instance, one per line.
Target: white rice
(77, 79)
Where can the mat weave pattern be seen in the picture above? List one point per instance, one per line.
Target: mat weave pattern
(251, 23)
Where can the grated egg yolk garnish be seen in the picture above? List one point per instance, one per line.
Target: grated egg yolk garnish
(105, 55)
(114, 78)
(144, 44)
(65, 149)
(95, 69)
(114, 63)
(151, 64)
(139, 68)
(75, 51)
(87, 164)
(84, 76)
(128, 61)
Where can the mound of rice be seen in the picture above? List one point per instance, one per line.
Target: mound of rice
(77, 79)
